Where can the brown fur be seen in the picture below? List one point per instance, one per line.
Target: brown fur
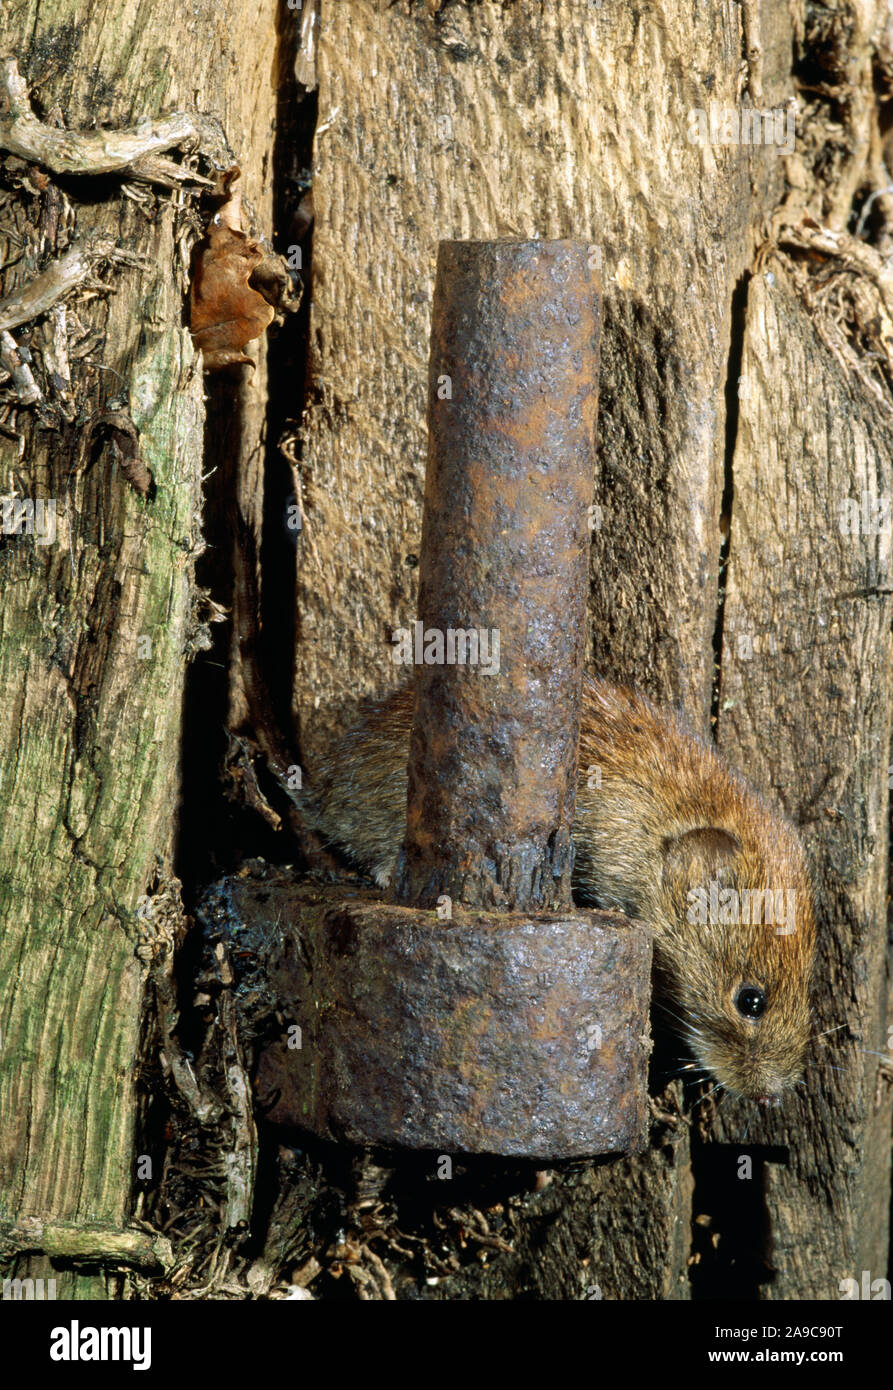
(667, 818)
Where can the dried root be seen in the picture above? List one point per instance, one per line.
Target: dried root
(134, 152)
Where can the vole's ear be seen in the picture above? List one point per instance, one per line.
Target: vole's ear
(698, 856)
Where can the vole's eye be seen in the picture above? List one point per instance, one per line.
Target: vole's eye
(750, 1002)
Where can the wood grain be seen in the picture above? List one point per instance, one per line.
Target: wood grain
(542, 120)
(90, 715)
(537, 120)
(805, 713)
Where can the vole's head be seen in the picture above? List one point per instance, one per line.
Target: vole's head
(736, 938)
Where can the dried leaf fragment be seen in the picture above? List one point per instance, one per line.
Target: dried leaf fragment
(225, 311)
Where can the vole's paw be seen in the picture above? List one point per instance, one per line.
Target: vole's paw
(382, 874)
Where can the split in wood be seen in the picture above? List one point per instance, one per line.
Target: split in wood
(156, 950)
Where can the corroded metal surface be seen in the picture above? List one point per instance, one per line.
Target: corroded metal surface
(513, 400)
(502, 1034)
(508, 1022)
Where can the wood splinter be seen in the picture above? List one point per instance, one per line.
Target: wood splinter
(11, 359)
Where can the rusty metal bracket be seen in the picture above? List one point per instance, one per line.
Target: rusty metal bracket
(503, 1034)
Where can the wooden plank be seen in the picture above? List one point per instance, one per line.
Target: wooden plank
(547, 120)
(805, 712)
(94, 628)
(540, 121)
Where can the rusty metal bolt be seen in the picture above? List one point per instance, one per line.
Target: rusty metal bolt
(505, 1021)
(513, 403)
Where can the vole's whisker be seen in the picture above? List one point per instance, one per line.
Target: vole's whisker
(671, 1013)
(684, 1026)
(718, 1087)
(865, 1051)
